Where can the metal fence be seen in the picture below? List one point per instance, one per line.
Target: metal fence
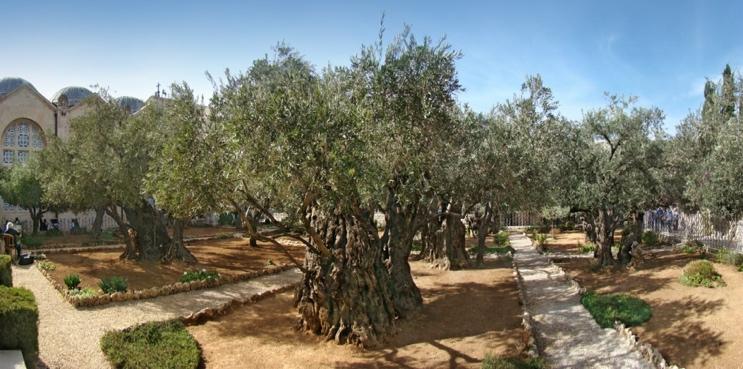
(713, 231)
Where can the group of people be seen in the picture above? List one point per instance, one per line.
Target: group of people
(663, 219)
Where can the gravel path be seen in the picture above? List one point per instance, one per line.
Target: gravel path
(70, 338)
(566, 331)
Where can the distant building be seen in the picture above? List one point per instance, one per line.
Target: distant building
(28, 119)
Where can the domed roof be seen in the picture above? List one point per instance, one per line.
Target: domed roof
(10, 84)
(73, 94)
(132, 104)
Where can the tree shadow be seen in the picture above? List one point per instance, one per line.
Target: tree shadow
(676, 327)
(456, 315)
(677, 333)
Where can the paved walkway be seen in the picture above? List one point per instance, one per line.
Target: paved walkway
(70, 338)
(570, 337)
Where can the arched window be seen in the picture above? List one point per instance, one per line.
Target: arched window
(19, 139)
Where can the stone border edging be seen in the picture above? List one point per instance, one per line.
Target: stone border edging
(158, 291)
(646, 350)
(532, 346)
(206, 314)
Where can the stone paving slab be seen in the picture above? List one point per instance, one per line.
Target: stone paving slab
(568, 335)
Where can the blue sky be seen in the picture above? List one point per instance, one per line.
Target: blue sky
(660, 51)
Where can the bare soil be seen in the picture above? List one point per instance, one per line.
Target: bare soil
(692, 327)
(81, 240)
(568, 242)
(466, 314)
(228, 256)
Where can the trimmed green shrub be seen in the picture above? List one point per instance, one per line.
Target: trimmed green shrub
(199, 275)
(540, 238)
(156, 345)
(692, 247)
(501, 238)
(6, 274)
(82, 293)
(46, 265)
(608, 308)
(19, 323)
(492, 362)
(650, 239)
(113, 284)
(588, 247)
(701, 273)
(72, 281)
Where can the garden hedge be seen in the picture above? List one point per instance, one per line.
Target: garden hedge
(155, 345)
(19, 318)
(6, 276)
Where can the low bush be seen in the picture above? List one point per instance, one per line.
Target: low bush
(416, 246)
(692, 247)
(82, 293)
(540, 238)
(701, 273)
(6, 274)
(588, 247)
(157, 345)
(72, 281)
(650, 239)
(501, 238)
(199, 275)
(19, 323)
(608, 308)
(113, 284)
(730, 257)
(492, 362)
(46, 265)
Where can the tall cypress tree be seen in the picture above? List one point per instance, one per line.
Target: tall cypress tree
(727, 107)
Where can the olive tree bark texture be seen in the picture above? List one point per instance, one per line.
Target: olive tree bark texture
(346, 294)
(146, 234)
(447, 249)
(398, 239)
(604, 226)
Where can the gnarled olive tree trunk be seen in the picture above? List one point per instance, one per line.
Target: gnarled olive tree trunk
(484, 226)
(604, 226)
(98, 221)
(631, 235)
(399, 240)
(346, 294)
(447, 249)
(146, 234)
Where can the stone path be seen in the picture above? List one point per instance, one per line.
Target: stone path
(70, 338)
(568, 334)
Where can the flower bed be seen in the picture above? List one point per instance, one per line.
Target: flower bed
(169, 289)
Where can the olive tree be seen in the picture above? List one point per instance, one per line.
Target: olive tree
(20, 185)
(616, 156)
(103, 164)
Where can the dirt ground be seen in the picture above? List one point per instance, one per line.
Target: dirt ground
(78, 240)
(694, 328)
(228, 256)
(465, 315)
(568, 242)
